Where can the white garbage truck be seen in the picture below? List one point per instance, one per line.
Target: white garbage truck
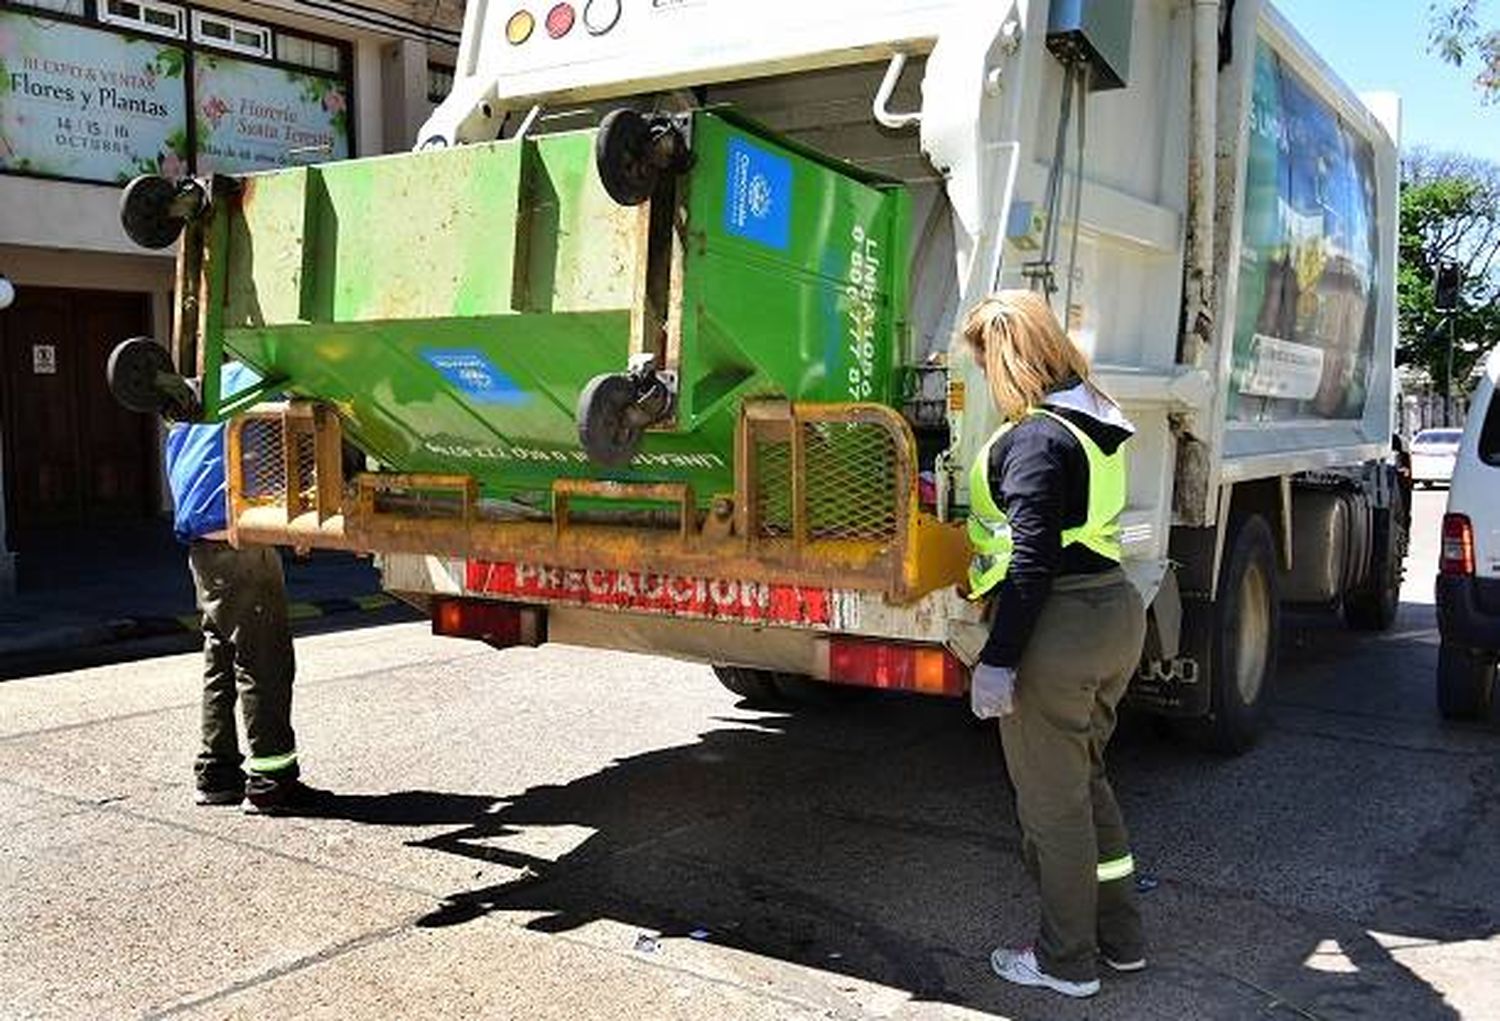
(650, 342)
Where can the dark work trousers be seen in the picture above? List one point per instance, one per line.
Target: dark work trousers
(247, 654)
(1081, 656)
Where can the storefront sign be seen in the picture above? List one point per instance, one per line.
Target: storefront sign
(83, 103)
(255, 117)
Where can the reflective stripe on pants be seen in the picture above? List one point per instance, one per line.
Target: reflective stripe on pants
(1116, 868)
(273, 763)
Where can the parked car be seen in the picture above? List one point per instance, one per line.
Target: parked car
(1468, 583)
(1432, 455)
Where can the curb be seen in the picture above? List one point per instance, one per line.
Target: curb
(154, 627)
(127, 629)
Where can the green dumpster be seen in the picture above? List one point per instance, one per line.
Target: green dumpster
(453, 305)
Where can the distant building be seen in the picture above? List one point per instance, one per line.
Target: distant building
(94, 92)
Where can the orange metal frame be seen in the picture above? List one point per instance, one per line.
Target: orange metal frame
(921, 555)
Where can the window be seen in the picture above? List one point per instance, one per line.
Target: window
(230, 34)
(145, 16)
(439, 82)
(1489, 434)
(320, 56)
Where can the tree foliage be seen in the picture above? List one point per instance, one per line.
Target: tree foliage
(1450, 211)
(1455, 35)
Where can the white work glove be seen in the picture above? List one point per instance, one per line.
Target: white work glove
(992, 691)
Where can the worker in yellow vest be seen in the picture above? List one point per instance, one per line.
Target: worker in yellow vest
(1045, 496)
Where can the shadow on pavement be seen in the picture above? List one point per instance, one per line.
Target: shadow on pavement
(120, 592)
(878, 841)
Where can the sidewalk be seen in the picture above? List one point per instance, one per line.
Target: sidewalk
(84, 588)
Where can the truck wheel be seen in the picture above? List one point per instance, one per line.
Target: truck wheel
(1465, 682)
(1372, 606)
(1235, 640)
(756, 688)
(770, 689)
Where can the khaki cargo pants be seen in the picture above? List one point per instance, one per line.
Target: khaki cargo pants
(247, 656)
(1072, 675)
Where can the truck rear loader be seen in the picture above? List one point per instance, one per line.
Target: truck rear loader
(649, 343)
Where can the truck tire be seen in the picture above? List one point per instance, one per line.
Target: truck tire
(1234, 639)
(756, 688)
(1465, 682)
(770, 689)
(1372, 606)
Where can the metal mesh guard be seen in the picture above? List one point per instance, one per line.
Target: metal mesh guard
(851, 486)
(264, 467)
(773, 494)
(307, 467)
(850, 482)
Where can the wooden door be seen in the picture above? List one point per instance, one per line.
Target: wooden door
(72, 455)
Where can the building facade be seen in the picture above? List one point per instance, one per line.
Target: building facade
(94, 92)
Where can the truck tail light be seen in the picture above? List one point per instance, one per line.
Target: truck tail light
(502, 625)
(930, 670)
(1458, 545)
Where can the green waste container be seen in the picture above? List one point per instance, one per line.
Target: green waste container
(452, 305)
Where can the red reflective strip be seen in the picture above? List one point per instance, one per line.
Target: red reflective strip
(893, 665)
(496, 623)
(711, 598)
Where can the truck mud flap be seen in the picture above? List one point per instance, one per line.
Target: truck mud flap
(1172, 687)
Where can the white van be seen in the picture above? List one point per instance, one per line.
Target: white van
(1468, 583)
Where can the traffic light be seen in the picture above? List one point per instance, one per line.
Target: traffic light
(1450, 281)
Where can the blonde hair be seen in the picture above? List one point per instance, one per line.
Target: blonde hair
(1023, 350)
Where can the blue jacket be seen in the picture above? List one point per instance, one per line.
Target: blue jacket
(195, 466)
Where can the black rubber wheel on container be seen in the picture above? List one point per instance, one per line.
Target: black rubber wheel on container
(1465, 682)
(1372, 606)
(1235, 639)
(146, 212)
(603, 429)
(132, 372)
(623, 157)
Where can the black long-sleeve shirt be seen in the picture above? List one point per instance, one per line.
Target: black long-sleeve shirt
(1039, 476)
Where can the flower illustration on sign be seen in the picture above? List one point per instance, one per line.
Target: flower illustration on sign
(333, 101)
(214, 109)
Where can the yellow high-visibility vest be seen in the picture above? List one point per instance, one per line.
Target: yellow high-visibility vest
(989, 530)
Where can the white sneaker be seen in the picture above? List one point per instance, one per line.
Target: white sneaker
(1139, 964)
(1021, 967)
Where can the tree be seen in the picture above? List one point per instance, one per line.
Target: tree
(1450, 211)
(1455, 35)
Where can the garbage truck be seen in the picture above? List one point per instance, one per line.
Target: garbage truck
(648, 344)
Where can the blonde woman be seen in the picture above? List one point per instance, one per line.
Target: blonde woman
(1045, 496)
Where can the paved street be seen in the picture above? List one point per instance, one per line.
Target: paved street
(556, 833)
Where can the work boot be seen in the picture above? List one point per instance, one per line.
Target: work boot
(218, 795)
(218, 784)
(1021, 967)
(264, 796)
